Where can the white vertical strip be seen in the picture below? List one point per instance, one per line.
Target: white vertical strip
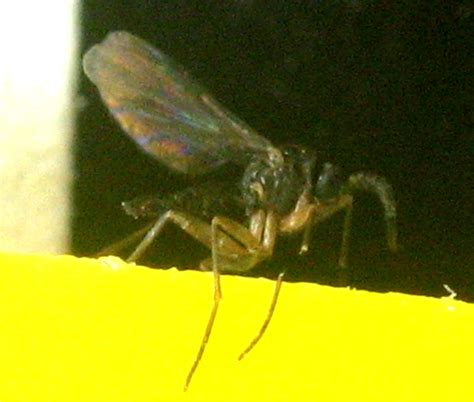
(38, 69)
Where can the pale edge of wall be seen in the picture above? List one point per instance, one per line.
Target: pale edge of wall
(38, 105)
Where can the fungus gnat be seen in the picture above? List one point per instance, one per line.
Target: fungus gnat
(177, 122)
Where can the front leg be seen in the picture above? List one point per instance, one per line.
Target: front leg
(256, 245)
(249, 245)
(234, 247)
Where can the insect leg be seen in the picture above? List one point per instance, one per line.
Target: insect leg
(249, 246)
(268, 318)
(150, 236)
(215, 306)
(243, 235)
(123, 243)
(268, 234)
(198, 229)
(253, 250)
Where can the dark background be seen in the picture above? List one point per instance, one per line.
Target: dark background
(377, 86)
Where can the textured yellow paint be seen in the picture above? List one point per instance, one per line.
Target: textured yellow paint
(101, 330)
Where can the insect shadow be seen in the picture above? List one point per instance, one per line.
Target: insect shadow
(176, 121)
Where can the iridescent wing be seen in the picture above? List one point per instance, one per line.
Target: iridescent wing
(167, 114)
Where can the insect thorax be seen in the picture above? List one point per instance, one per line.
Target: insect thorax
(274, 186)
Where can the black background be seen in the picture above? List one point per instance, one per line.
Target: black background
(377, 86)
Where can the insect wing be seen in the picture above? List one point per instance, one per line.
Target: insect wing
(166, 113)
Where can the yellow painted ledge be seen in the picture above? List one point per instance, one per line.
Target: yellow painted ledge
(100, 330)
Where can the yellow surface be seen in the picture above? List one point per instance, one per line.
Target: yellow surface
(101, 330)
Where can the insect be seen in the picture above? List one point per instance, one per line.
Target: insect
(176, 121)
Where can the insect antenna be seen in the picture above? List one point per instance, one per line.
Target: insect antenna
(380, 187)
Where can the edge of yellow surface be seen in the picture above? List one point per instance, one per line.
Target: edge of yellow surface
(78, 329)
